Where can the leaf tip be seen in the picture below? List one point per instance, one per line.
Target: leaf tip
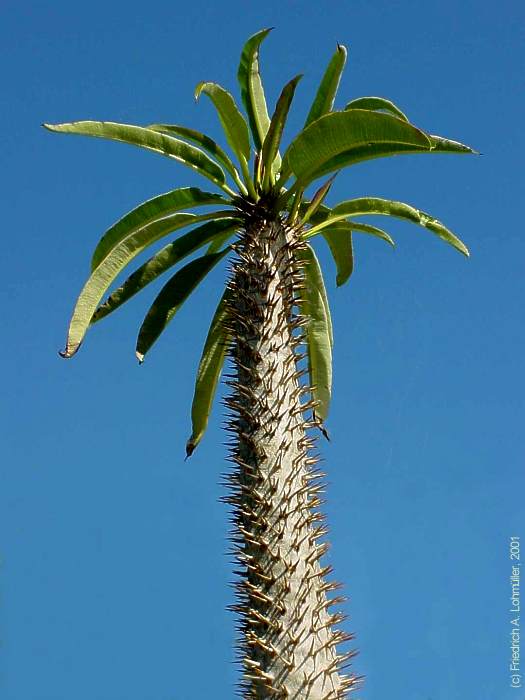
(190, 448)
(198, 90)
(69, 351)
(139, 356)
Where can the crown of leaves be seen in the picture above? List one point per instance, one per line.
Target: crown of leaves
(367, 127)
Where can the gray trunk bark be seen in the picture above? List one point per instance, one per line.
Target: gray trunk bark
(288, 640)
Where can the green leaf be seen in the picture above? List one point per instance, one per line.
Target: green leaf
(339, 239)
(155, 208)
(208, 373)
(318, 331)
(438, 144)
(116, 260)
(387, 207)
(317, 200)
(273, 137)
(170, 299)
(252, 92)
(342, 138)
(232, 121)
(219, 240)
(152, 140)
(377, 104)
(371, 230)
(324, 99)
(215, 231)
(204, 142)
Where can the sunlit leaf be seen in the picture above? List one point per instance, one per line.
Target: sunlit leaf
(233, 123)
(252, 92)
(215, 231)
(204, 142)
(116, 260)
(152, 140)
(273, 137)
(155, 208)
(387, 207)
(377, 104)
(340, 139)
(324, 98)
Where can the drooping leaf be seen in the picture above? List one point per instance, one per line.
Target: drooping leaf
(170, 299)
(377, 104)
(341, 138)
(252, 92)
(273, 137)
(215, 231)
(325, 96)
(372, 231)
(339, 239)
(387, 207)
(233, 123)
(152, 209)
(204, 142)
(318, 331)
(208, 373)
(116, 260)
(222, 238)
(152, 140)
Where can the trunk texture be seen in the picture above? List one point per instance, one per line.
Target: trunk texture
(288, 641)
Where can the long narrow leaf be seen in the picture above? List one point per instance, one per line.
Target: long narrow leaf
(252, 92)
(325, 96)
(116, 260)
(351, 136)
(208, 373)
(372, 231)
(222, 238)
(152, 140)
(387, 207)
(215, 231)
(339, 239)
(317, 200)
(204, 142)
(318, 330)
(377, 104)
(438, 144)
(170, 299)
(273, 137)
(233, 123)
(155, 208)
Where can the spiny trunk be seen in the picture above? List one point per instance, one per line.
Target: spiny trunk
(288, 641)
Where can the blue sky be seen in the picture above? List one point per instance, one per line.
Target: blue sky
(113, 574)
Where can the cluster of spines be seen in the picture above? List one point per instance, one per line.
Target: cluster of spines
(265, 277)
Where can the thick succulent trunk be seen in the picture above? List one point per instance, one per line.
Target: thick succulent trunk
(288, 640)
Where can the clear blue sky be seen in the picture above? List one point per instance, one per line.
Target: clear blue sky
(113, 575)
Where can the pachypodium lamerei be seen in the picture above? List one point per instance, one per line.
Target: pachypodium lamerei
(273, 320)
